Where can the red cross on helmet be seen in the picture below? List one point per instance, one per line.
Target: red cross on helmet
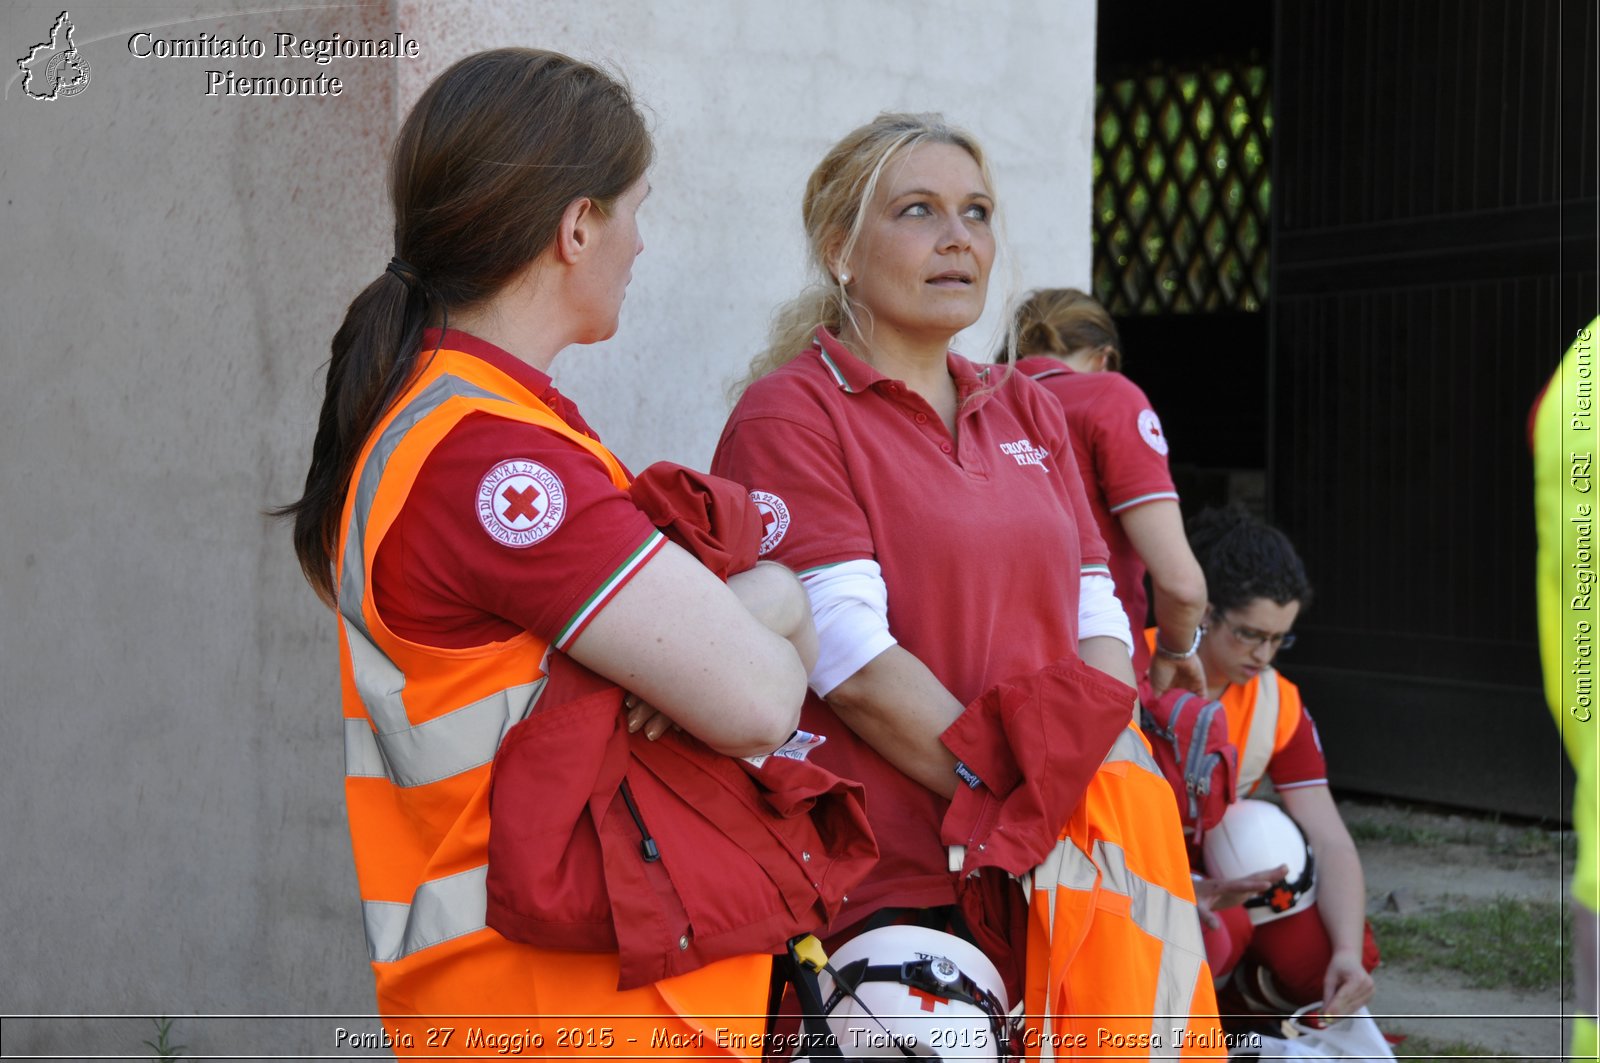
(1258, 834)
(901, 992)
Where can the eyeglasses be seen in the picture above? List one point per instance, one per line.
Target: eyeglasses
(1254, 639)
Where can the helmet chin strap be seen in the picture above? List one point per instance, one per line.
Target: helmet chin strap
(807, 959)
(844, 985)
(1295, 889)
(921, 975)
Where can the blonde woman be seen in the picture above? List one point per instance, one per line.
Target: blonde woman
(935, 512)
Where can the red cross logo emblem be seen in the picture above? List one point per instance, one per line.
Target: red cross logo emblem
(519, 504)
(1281, 899)
(774, 518)
(1150, 431)
(929, 1001)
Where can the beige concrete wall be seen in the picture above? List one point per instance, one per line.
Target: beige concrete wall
(174, 265)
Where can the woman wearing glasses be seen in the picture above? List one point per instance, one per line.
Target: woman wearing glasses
(1257, 587)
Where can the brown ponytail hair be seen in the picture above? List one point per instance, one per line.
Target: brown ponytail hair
(1059, 321)
(482, 170)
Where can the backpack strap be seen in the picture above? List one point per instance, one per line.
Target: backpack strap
(1196, 770)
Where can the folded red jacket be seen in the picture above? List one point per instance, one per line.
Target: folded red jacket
(708, 516)
(1029, 747)
(666, 852)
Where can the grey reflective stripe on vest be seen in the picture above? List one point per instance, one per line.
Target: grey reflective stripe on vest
(1130, 748)
(1067, 866)
(1257, 751)
(441, 909)
(353, 574)
(1176, 924)
(362, 757)
(447, 745)
(456, 741)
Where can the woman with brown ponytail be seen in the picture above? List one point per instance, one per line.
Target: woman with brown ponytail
(464, 520)
(1067, 341)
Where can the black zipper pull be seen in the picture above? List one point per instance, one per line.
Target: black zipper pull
(647, 844)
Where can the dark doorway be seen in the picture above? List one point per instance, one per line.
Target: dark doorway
(1182, 224)
(1433, 235)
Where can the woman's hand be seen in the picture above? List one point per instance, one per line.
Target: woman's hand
(1341, 896)
(1177, 585)
(643, 716)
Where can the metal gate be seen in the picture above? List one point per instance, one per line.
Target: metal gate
(1434, 225)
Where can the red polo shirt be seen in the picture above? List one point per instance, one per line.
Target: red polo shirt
(447, 574)
(982, 540)
(1122, 457)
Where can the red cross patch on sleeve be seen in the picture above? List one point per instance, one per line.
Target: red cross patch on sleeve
(774, 519)
(1150, 431)
(520, 502)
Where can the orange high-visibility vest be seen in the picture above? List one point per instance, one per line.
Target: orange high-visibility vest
(421, 727)
(1262, 716)
(1116, 963)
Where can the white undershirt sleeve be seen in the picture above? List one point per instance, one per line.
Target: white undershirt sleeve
(850, 605)
(1099, 611)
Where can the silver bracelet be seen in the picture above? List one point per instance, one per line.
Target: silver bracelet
(1174, 655)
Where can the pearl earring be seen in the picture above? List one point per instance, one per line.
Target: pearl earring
(844, 279)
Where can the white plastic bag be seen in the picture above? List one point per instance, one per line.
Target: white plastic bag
(1354, 1037)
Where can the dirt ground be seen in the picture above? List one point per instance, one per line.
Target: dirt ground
(1477, 860)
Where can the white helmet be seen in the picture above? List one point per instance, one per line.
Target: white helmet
(1254, 835)
(907, 991)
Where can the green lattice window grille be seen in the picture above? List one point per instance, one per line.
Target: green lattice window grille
(1182, 188)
